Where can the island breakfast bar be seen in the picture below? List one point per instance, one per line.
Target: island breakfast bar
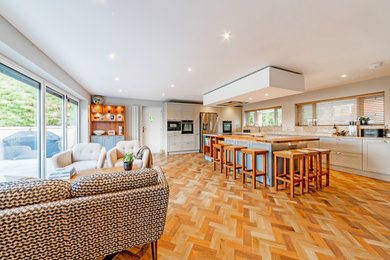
(270, 144)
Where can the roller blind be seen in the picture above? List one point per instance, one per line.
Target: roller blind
(341, 111)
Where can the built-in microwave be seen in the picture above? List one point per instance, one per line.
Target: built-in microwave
(187, 127)
(227, 127)
(174, 125)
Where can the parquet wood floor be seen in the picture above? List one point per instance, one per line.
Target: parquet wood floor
(214, 217)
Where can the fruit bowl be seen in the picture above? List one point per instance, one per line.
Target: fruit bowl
(99, 132)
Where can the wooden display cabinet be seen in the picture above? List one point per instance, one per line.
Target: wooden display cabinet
(107, 117)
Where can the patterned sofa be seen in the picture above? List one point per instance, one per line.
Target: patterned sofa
(94, 216)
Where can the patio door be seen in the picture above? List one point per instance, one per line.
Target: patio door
(19, 124)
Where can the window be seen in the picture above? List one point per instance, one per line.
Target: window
(19, 124)
(341, 111)
(265, 117)
(27, 128)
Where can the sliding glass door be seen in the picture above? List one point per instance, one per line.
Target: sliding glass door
(36, 122)
(19, 125)
(54, 125)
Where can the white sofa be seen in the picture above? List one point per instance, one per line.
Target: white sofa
(116, 154)
(84, 156)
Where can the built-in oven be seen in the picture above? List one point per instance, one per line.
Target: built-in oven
(174, 125)
(187, 127)
(227, 127)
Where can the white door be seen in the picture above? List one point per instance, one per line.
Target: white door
(152, 128)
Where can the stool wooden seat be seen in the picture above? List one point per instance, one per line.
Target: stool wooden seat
(289, 177)
(231, 163)
(218, 155)
(254, 152)
(311, 167)
(322, 172)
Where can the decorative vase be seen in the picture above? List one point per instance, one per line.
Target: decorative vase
(363, 122)
(127, 166)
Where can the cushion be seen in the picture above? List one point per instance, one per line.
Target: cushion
(23, 193)
(136, 162)
(127, 147)
(83, 165)
(86, 152)
(113, 182)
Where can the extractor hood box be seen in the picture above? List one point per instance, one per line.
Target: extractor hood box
(267, 83)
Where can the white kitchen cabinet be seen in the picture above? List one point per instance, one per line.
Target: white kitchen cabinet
(174, 111)
(376, 156)
(345, 159)
(187, 112)
(345, 151)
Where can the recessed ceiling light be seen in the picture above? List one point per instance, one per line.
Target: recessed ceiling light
(189, 69)
(250, 98)
(172, 85)
(116, 78)
(111, 56)
(226, 35)
(163, 94)
(266, 94)
(343, 75)
(120, 90)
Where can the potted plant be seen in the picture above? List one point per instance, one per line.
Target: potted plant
(128, 161)
(364, 120)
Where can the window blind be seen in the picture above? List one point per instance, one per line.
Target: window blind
(341, 111)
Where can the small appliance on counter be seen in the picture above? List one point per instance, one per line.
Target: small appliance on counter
(372, 132)
(353, 128)
(227, 127)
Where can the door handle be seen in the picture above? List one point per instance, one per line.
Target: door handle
(143, 129)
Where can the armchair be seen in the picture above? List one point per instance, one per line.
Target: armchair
(116, 154)
(82, 156)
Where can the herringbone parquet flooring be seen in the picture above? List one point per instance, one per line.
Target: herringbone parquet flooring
(214, 217)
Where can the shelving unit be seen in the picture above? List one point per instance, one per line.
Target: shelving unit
(107, 117)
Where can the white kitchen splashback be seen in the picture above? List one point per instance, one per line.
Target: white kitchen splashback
(264, 84)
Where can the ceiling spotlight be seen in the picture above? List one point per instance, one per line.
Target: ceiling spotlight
(120, 90)
(116, 78)
(189, 69)
(266, 94)
(226, 35)
(163, 94)
(343, 75)
(250, 98)
(111, 56)
(172, 85)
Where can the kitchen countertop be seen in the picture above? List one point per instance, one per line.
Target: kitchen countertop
(307, 135)
(267, 139)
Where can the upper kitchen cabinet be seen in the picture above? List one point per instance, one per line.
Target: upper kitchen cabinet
(174, 111)
(180, 111)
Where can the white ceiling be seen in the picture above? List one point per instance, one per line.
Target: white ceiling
(155, 41)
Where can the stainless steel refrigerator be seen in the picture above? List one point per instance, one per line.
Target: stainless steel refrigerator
(208, 125)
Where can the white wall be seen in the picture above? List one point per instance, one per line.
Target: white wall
(16, 47)
(288, 103)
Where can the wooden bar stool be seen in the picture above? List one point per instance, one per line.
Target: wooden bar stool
(218, 155)
(293, 177)
(311, 167)
(254, 152)
(231, 163)
(322, 172)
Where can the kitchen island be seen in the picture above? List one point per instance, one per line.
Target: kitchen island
(271, 144)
